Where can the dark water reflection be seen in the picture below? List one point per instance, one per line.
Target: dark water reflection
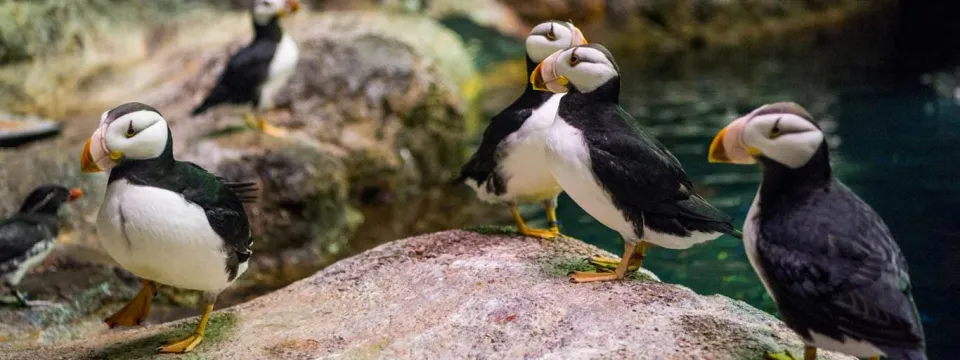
(896, 144)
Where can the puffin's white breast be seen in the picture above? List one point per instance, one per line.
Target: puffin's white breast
(524, 165)
(34, 256)
(282, 66)
(569, 161)
(157, 235)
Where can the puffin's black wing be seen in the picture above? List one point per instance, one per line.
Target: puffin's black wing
(484, 160)
(834, 268)
(641, 175)
(247, 191)
(20, 233)
(241, 77)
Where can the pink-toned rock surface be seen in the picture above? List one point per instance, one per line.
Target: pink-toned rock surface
(461, 294)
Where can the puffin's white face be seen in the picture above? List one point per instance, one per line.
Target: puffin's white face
(550, 37)
(265, 10)
(127, 132)
(586, 67)
(786, 137)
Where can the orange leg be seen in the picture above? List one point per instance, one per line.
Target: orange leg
(137, 309)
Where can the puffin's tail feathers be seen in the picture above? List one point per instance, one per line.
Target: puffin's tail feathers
(904, 354)
(247, 192)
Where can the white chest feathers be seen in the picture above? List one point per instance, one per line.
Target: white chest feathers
(157, 235)
(282, 66)
(569, 161)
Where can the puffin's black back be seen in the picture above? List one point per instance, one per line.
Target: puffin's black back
(643, 178)
(247, 69)
(35, 222)
(224, 209)
(483, 162)
(45, 199)
(831, 263)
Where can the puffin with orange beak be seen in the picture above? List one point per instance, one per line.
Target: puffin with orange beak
(509, 166)
(825, 257)
(168, 222)
(615, 171)
(256, 73)
(28, 237)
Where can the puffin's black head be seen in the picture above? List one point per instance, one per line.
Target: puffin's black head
(132, 131)
(550, 37)
(264, 11)
(782, 132)
(46, 199)
(584, 68)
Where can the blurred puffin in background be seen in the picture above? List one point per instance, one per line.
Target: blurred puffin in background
(509, 166)
(28, 237)
(256, 73)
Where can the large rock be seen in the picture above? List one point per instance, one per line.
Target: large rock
(381, 119)
(461, 294)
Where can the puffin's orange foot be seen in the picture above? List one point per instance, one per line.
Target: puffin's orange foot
(540, 233)
(609, 264)
(181, 346)
(582, 277)
(136, 310)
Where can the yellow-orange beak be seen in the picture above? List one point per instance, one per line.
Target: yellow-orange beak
(544, 77)
(728, 147)
(578, 38)
(75, 193)
(87, 163)
(292, 7)
(95, 157)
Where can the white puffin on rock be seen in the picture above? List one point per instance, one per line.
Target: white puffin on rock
(168, 222)
(617, 173)
(510, 166)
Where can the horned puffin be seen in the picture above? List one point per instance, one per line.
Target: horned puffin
(28, 237)
(168, 222)
(825, 257)
(509, 166)
(255, 73)
(616, 172)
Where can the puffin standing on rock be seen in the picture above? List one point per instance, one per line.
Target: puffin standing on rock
(256, 73)
(28, 237)
(166, 221)
(509, 166)
(825, 257)
(617, 173)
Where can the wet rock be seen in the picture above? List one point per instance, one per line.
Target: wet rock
(461, 294)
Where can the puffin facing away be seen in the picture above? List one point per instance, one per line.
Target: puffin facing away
(509, 166)
(28, 237)
(166, 221)
(617, 173)
(255, 73)
(825, 257)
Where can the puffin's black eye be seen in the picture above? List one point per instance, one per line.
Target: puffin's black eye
(775, 132)
(130, 131)
(574, 59)
(551, 35)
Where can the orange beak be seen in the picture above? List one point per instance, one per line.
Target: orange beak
(728, 147)
(292, 6)
(87, 163)
(578, 38)
(75, 193)
(95, 157)
(544, 77)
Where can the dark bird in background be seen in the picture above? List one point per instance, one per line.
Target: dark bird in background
(614, 170)
(825, 257)
(256, 73)
(28, 237)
